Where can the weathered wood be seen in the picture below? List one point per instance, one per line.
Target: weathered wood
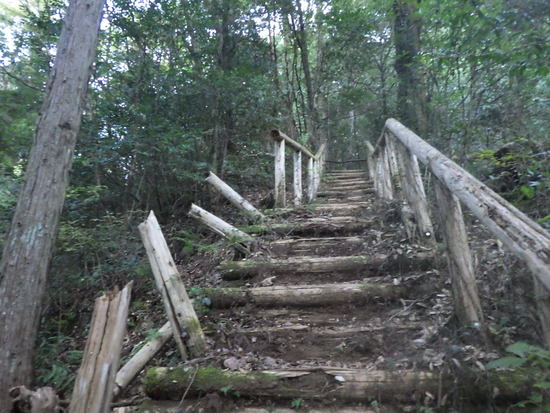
(413, 188)
(336, 209)
(94, 385)
(334, 225)
(346, 193)
(371, 163)
(329, 383)
(461, 268)
(178, 307)
(138, 361)
(31, 238)
(521, 235)
(232, 196)
(298, 265)
(319, 246)
(297, 178)
(310, 179)
(382, 183)
(239, 238)
(280, 181)
(309, 295)
(43, 400)
(279, 136)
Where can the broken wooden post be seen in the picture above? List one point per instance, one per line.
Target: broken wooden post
(239, 238)
(233, 197)
(413, 188)
(93, 388)
(310, 179)
(131, 369)
(461, 269)
(181, 314)
(297, 178)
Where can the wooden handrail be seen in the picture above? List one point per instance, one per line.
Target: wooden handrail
(315, 166)
(524, 237)
(277, 135)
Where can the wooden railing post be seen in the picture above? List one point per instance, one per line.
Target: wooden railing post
(297, 177)
(461, 268)
(383, 185)
(413, 188)
(310, 179)
(280, 182)
(370, 162)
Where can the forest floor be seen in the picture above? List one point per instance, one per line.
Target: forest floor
(404, 324)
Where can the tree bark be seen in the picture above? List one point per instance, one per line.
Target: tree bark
(29, 244)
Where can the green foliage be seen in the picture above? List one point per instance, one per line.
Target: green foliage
(536, 360)
(297, 404)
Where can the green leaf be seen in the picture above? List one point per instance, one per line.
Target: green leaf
(506, 363)
(528, 191)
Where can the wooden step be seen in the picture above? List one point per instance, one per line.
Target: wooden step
(167, 406)
(315, 246)
(361, 265)
(346, 181)
(344, 194)
(341, 225)
(301, 295)
(339, 209)
(337, 186)
(346, 172)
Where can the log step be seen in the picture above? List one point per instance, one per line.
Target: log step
(315, 246)
(361, 265)
(333, 383)
(343, 209)
(344, 193)
(301, 295)
(341, 225)
(166, 406)
(336, 186)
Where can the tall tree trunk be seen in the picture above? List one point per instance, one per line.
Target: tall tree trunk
(411, 97)
(28, 247)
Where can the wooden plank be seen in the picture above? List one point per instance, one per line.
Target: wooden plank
(239, 238)
(93, 389)
(297, 178)
(280, 182)
(461, 268)
(178, 307)
(232, 196)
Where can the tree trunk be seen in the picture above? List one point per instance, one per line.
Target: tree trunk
(29, 243)
(411, 98)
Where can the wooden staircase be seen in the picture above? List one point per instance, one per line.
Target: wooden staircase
(321, 319)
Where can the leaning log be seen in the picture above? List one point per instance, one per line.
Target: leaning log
(239, 238)
(93, 388)
(133, 366)
(326, 383)
(232, 196)
(178, 307)
(301, 295)
(375, 264)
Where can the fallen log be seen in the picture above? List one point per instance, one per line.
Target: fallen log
(326, 383)
(133, 366)
(301, 295)
(376, 264)
(232, 196)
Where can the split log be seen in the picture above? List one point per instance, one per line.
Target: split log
(461, 268)
(280, 182)
(232, 196)
(310, 179)
(132, 368)
(376, 264)
(326, 383)
(178, 307)
(43, 400)
(93, 388)
(240, 239)
(297, 178)
(301, 295)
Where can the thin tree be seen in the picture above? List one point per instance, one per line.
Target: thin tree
(29, 244)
